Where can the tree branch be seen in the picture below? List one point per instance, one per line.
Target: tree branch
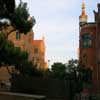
(10, 32)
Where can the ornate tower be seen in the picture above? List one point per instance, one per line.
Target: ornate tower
(89, 46)
(83, 17)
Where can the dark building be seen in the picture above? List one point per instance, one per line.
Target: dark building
(89, 45)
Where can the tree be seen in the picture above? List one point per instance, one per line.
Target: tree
(75, 72)
(7, 8)
(72, 68)
(13, 56)
(58, 71)
(18, 17)
(20, 20)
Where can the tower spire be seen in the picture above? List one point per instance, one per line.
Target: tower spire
(83, 9)
(83, 16)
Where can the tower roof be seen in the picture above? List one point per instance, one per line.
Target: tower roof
(83, 9)
(83, 16)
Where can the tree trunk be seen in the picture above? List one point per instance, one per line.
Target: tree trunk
(10, 32)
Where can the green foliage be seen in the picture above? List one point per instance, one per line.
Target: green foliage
(13, 56)
(7, 8)
(22, 11)
(20, 19)
(18, 16)
(65, 71)
(58, 71)
(78, 75)
(2, 37)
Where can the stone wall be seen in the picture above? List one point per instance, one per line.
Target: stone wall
(53, 89)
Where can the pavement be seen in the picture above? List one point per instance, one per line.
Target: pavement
(20, 96)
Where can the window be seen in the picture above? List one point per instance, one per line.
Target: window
(86, 40)
(17, 35)
(36, 50)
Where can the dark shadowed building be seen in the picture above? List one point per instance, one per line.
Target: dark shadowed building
(89, 45)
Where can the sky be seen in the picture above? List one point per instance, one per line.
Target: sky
(58, 22)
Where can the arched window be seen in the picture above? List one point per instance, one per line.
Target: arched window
(87, 40)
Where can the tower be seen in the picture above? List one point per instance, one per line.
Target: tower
(89, 46)
(83, 17)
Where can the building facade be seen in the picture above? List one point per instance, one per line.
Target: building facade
(89, 45)
(35, 48)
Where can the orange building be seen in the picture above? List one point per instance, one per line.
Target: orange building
(35, 48)
(39, 54)
(89, 45)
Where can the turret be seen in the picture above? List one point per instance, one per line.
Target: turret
(83, 17)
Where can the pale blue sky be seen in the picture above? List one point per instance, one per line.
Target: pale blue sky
(57, 21)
